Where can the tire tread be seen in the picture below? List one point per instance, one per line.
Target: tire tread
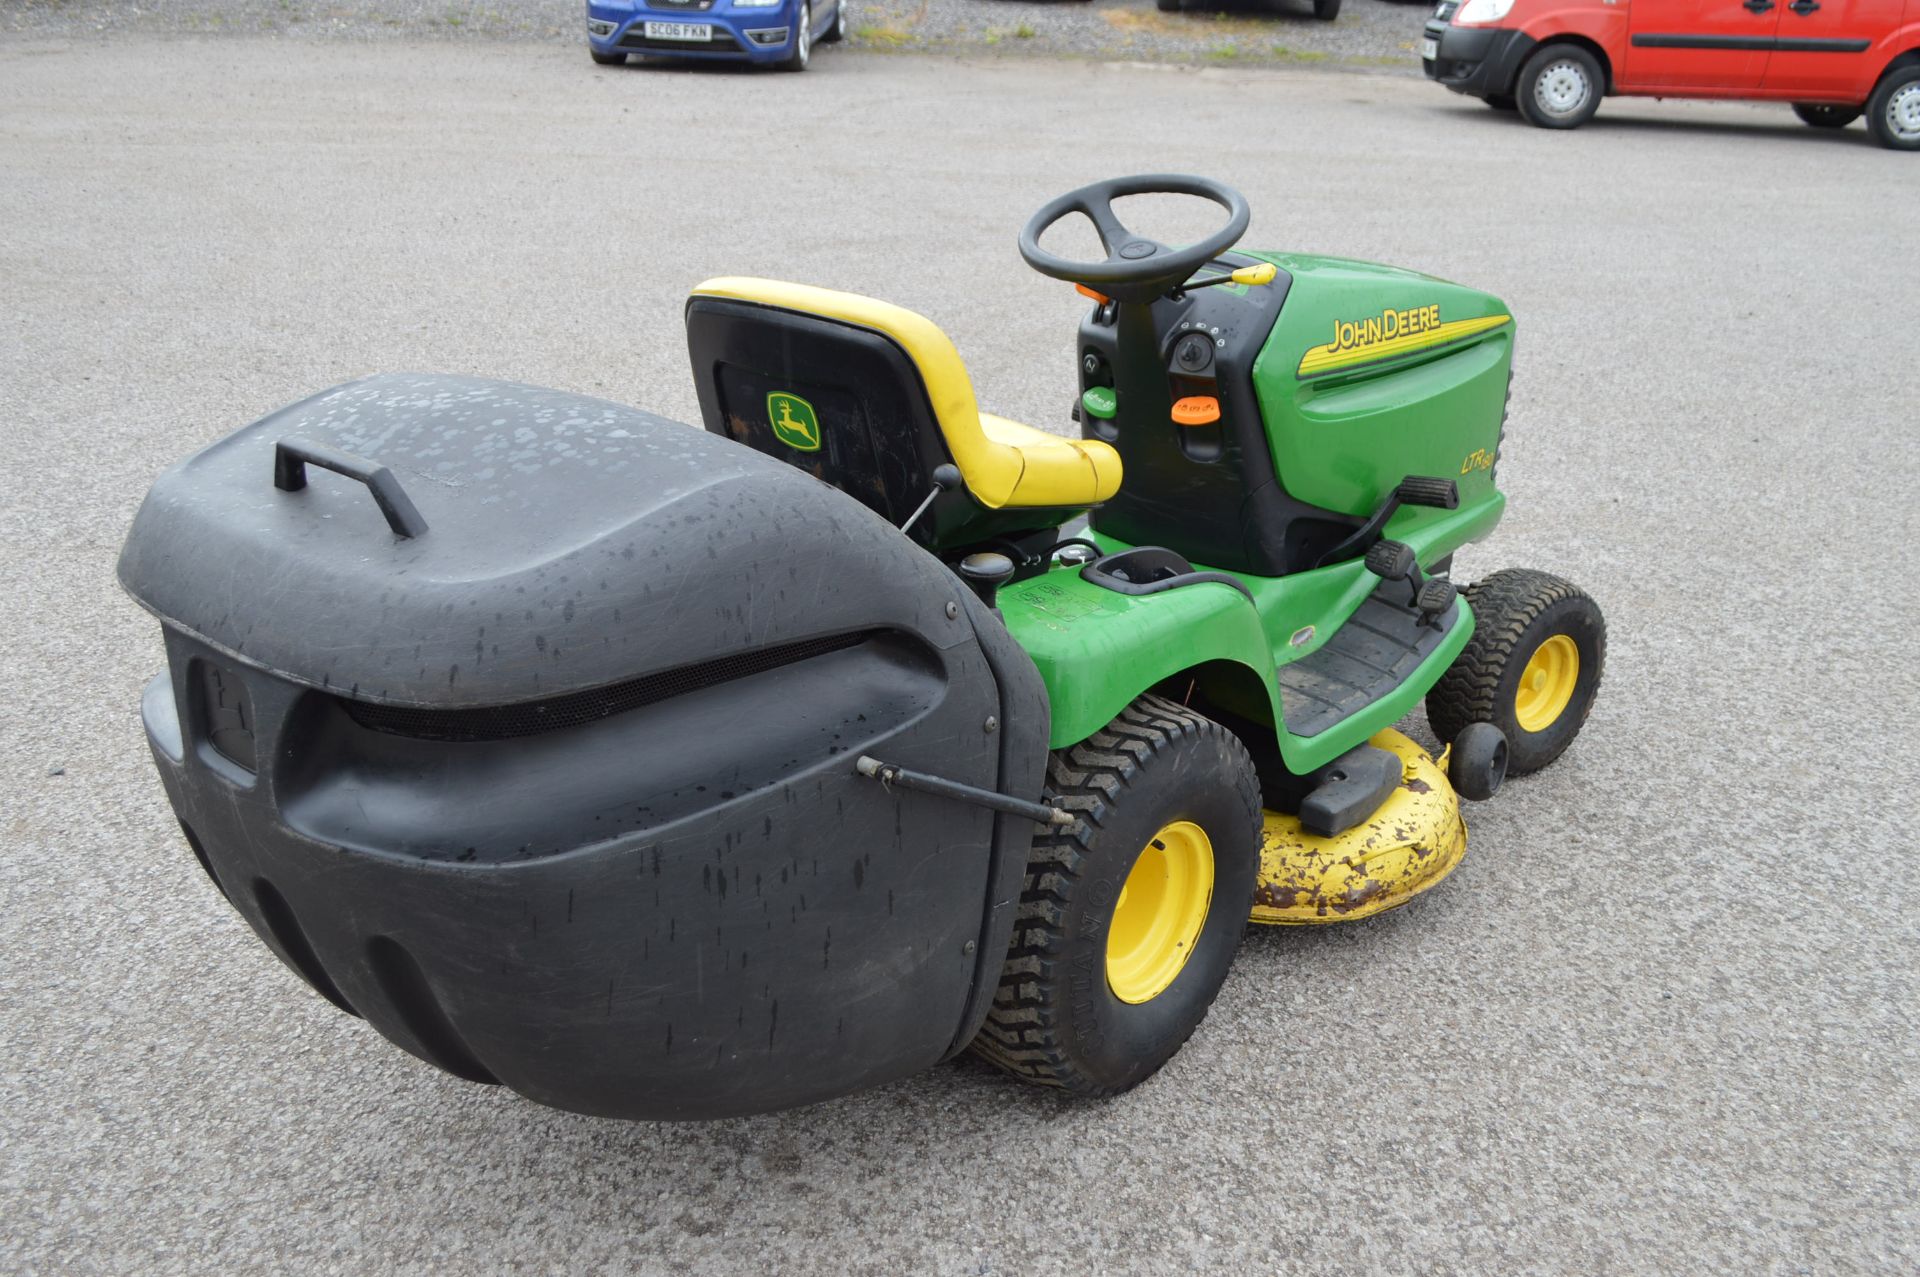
(1021, 1034)
(1505, 605)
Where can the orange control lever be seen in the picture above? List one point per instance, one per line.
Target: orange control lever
(1196, 410)
(1084, 291)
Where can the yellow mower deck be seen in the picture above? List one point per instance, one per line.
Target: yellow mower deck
(1411, 843)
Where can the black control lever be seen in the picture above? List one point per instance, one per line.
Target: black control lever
(945, 479)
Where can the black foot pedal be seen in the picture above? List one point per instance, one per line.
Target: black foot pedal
(1419, 489)
(1435, 597)
(1391, 560)
(1349, 789)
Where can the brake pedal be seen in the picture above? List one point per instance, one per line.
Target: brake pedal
(1391, 560)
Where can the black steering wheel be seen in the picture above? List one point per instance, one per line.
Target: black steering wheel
(1137, 269)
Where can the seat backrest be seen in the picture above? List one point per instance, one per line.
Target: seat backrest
(866, 396)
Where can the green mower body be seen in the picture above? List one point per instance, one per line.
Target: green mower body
(1336, 382)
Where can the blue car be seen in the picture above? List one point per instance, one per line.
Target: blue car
(779, 32)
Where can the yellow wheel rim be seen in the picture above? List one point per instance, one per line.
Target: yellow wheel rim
(1158, 918)
(1547, 684)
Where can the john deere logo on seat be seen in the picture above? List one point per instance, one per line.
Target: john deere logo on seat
(793, 421)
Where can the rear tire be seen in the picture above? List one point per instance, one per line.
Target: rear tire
(607, 59)
(1140, 786)
(1528, 626)
(1826, 117)
(1326, 10)
(1893, 111)
(1560, 87)
(838, 31)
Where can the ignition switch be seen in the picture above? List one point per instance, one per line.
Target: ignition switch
(1193, 353)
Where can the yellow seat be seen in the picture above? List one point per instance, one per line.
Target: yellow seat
(1005, 464)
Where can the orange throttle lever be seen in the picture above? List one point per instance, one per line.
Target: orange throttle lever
(1196, 410)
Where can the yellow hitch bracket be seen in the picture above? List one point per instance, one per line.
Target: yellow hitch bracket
(1411, 843)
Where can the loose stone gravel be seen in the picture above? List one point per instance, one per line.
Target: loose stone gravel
(1371, 35)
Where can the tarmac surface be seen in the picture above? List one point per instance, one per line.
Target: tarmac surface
(1661, 1019)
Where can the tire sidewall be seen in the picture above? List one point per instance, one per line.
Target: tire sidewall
(1538, 65)
(1882, 99)
(1579, 620)
(1119, 1043)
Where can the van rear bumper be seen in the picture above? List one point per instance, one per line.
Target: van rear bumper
(1481, 61)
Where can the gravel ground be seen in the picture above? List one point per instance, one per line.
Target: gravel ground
(1660, 1021)
(1375, 35)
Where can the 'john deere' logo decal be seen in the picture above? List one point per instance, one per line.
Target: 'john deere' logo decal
(1390, 334)
(793, 421)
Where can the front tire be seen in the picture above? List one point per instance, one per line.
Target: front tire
(1326, 10)
(838, 31)
(607, 59)
(1560, 87)
(802, 53)
(1532, 667)
(1500, 101)
(1130, 916)
(1893, 111)
(1825, 117)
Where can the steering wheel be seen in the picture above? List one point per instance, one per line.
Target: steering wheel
(1137, 269)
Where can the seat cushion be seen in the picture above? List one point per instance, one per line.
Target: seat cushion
(1054, 471)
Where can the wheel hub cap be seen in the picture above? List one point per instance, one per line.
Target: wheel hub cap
(1562, 89)
(1547, 683)
(1903, 112)
(1160, 912)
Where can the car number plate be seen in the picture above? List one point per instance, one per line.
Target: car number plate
(698, 32)
(1429, 49)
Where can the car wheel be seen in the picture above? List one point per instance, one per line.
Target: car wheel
(1893, 112)
(607, 59)
(1560, 87)
(838, 31)
(1500, 101)
(802, 40)
(1825, 117)
(1326, 10)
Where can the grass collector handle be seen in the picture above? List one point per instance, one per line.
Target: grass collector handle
(291, 457)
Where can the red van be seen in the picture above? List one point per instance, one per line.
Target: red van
(1553, 60)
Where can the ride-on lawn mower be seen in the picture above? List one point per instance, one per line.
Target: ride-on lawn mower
(662, 773)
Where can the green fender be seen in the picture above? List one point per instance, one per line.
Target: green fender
(1097, 649)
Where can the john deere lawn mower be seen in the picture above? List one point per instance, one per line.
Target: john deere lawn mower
(662, 773)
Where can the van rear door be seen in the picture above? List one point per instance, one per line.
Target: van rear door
(1699, 44)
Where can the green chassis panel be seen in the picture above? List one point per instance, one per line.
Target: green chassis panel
(1097, 649)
